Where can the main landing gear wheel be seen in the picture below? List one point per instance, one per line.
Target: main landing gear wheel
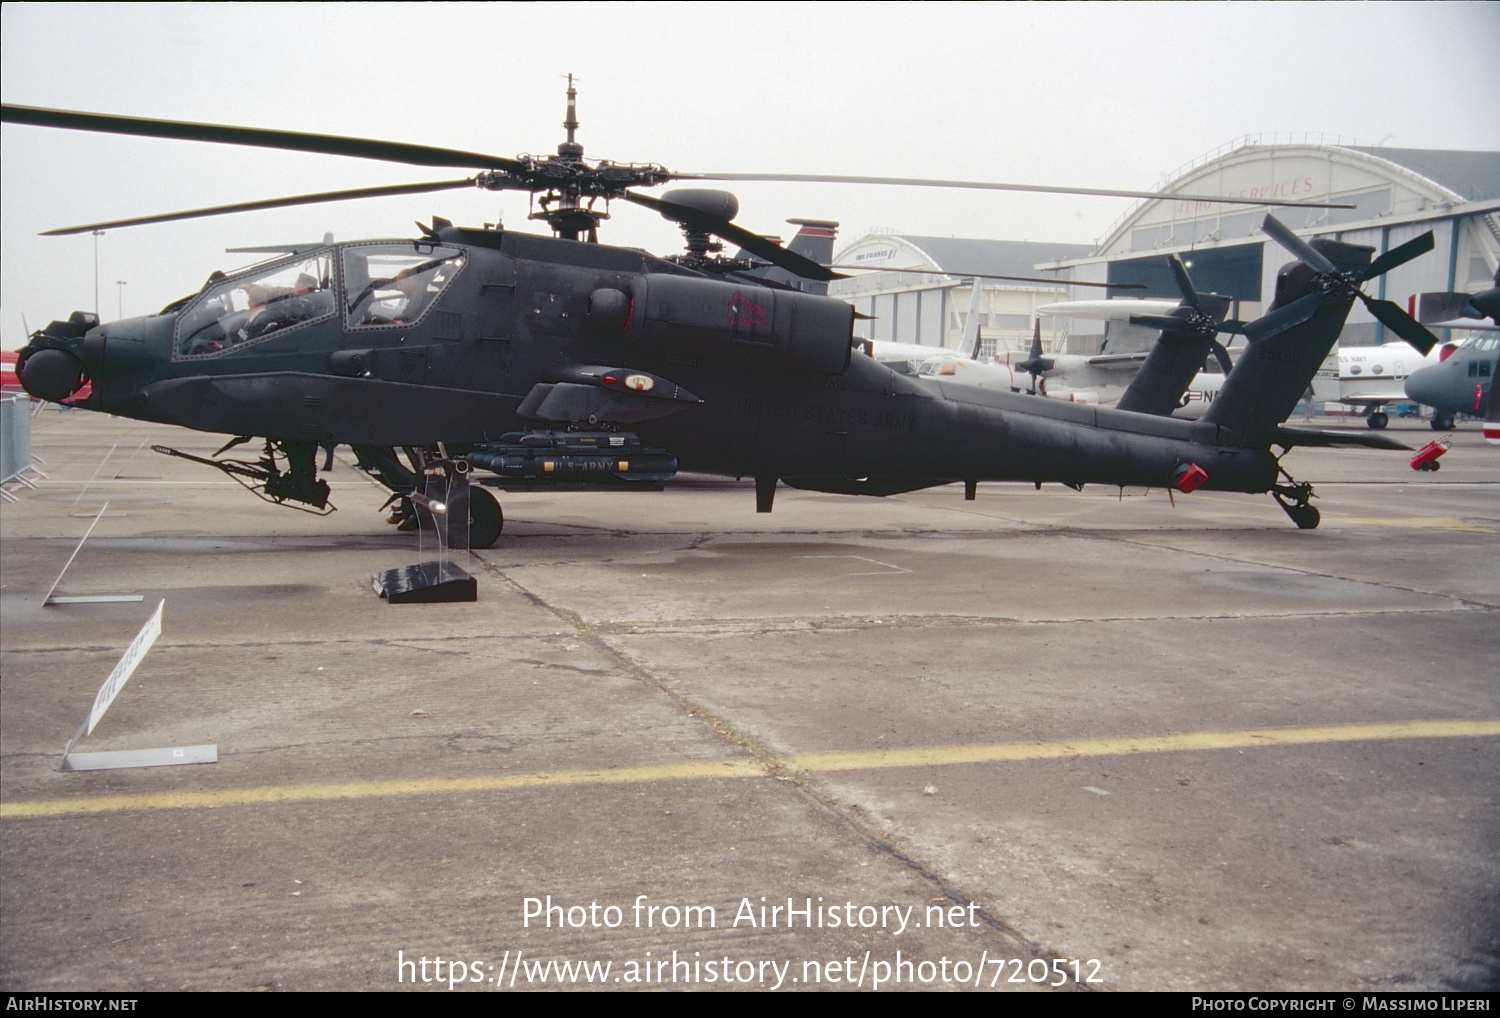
(1378, 420)
(1440, 423)
(485, 519)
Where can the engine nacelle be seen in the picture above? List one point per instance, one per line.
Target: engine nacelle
(710, 320)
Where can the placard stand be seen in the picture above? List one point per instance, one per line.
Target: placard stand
(114, 759)
(442, 508)
(53, 597)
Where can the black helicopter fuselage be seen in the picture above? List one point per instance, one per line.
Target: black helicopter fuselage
(519, 332)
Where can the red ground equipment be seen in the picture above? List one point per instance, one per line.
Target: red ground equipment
(1427, 456)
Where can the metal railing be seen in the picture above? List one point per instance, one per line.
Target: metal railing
(16, 465)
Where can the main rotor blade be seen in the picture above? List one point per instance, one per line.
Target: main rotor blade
(1309, 255)
(296, 141)
(988, 275)
(725, 230)
(1398, 256)
(817, 178)
(1393, 317)
(272, 203)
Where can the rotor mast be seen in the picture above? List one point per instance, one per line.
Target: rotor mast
(563, 205)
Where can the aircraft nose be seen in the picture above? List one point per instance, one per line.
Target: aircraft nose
(1425, 385)
(51, 364)
(52, 374)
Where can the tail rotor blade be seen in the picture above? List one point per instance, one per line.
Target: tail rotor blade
(1222, 356)
(1278, 321)
(1398, 256)
(1402, 324)
(1166, 323)
(1184, 282)
(1309, 255)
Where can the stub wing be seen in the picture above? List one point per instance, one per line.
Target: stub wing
(1289, 437)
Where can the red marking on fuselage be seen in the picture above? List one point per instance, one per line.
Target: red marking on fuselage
(744, 312)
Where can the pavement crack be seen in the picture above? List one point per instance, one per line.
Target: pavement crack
(777, 766)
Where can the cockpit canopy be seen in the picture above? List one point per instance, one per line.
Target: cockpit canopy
(384, 285)
(394, 285)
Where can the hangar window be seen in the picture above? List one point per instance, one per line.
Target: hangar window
(1233, 271)
(265, 302)
(393, 285)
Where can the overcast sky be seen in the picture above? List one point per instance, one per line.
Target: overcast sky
(1101, 95)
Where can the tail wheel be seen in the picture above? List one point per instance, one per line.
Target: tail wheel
(485, 518)
(1306, 517)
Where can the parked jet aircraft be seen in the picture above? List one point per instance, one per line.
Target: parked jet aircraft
(1373, 377)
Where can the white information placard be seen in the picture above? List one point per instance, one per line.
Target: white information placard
(121, 675)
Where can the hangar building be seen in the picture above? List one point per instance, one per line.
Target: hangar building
(919, 293)
(1397, 194)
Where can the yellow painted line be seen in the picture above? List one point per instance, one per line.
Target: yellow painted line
(937, 756)
(927, 756)
(1414, 522)
(375, 789)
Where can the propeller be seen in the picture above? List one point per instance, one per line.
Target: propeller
(1199, 317)
(1035, 363)
(1332, 283)
(1447, 306)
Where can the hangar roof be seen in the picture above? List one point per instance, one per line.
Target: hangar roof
(1377, 182)
(1474, 176)
(958, 255)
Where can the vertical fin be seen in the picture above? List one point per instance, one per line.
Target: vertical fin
(1276, 369)
(969, 345)
(814, 241)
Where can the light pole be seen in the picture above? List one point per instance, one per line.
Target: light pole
(121, 284)
(97, 235)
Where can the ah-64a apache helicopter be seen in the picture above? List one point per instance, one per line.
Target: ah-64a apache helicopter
(560, 360)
